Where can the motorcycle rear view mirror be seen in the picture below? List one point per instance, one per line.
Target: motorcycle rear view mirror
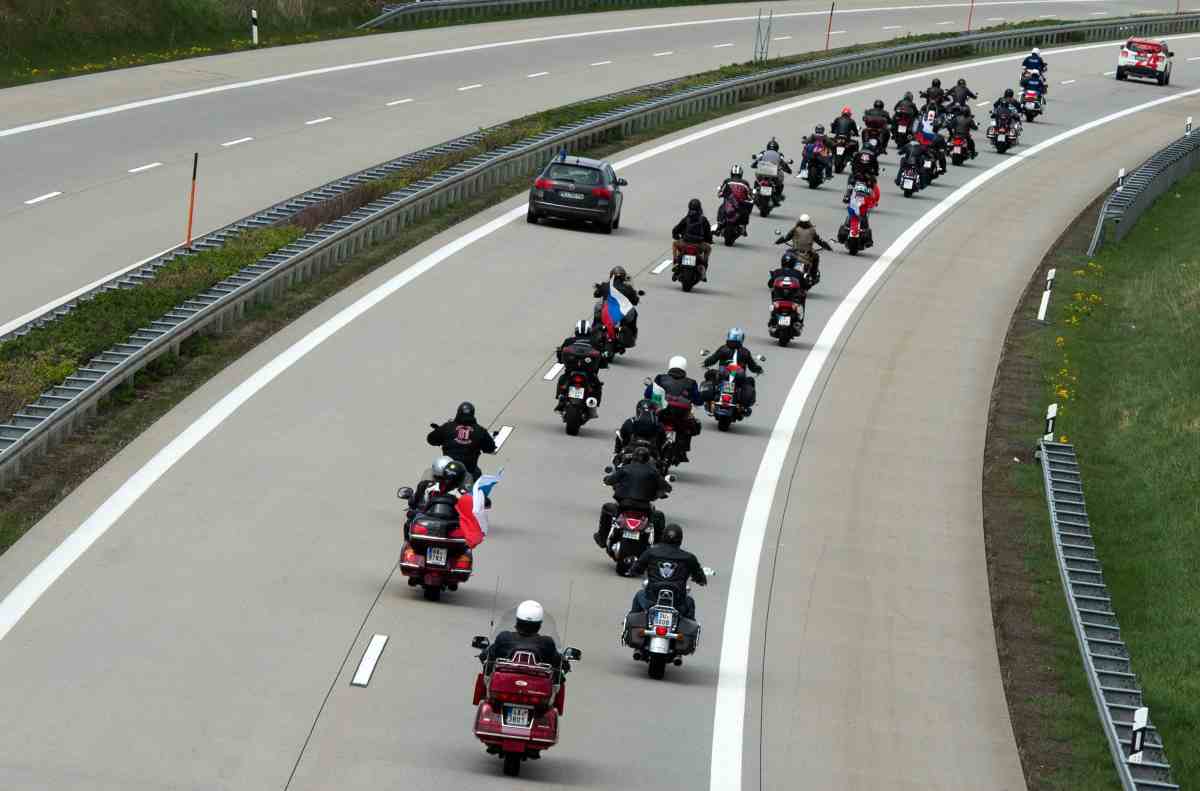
(479, 642)
(433, 425)
(404, 493)
(705, 352)
(778, 232)
(709, 572)
(762, 358)
(641, 293)
(647, 381)
(608, 468)
(572, 654)
(791, 161)
(670, 479)
(622, 183)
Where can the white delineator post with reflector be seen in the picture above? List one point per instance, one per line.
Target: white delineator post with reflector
(1137, 740)
(1120, 179)
(254, 26)
(1046, 295)
(1051, 414)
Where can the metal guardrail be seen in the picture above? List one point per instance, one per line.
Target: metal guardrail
(459, 10)
(1115, 689)
(1137, 191)
(61, 409)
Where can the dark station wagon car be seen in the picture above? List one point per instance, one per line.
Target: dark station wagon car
(578, 188)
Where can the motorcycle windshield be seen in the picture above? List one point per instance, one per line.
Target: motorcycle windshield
(507, 622)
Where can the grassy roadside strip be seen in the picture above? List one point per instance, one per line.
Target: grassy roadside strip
(1119, 357)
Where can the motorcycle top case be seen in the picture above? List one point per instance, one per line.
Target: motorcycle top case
(529, 689)
(688, 629)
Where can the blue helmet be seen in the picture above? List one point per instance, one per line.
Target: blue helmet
(735, 335)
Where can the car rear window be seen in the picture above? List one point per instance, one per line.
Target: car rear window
(582, 176)
(1143, 46)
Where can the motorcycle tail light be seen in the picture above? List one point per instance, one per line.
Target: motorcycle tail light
(661, 631)
(578, 380)
(463, 562)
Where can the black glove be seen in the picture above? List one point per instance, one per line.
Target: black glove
(781, 240)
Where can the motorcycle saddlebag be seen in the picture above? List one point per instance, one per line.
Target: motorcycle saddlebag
(691, 636)
(634, 620)
(843, 233)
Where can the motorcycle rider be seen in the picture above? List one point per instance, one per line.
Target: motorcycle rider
(635, 488)
(818, 146)
(524, 636)
(864, 167)
(579, 352)
(844, 124)
(667, 565)
(737, 187)
(1032, 81)
(694, 228)
(677, 384)
(906, 106)
(735, 350)
(1034, 60)
(934, 93)
(644, 428)
(1006, 105)
(787, 268)
(962, 125)
(912, 154)
(961, 93)
(619, 278)
(771, 155)
(427, 488)
(463, 439)
(876, 117)
(928, 135)
(802, 237)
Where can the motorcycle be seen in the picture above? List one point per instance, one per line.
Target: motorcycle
(807, 267)
(722, 392)
(787, 309)
(436, 556)
(729, 216)
(902, 124)
(630, 532)
(615, 340)
(874, 133)
(855, 232)
(660, 635)
(911, 179)
(1003, 133)
(577, 401)
(844, 149)
(1031, 102)
(675, 417)
(690, 265)
(519, 701)
(959, 149)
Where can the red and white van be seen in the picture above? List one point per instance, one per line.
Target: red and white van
(1146, 58)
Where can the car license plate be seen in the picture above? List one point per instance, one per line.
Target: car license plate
(785, 321)
(908, 184)
(688, 260)
(841, 150)
(575, 392)
(803, 173)
(958, 149)
(435, 556)
(518, 716)
(1001, 138)
(631, 534)
(901, 128)
(1030, 105)
(571, 195)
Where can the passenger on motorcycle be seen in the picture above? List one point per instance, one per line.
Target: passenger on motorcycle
(1032, 81)
(961, 93)
(463, 439)
(818, 147)
(876, 117)
(802, 237)
(643, 429)
(676, 384)
(962, 126)
(694, 228)
(734, 350)
(579, 352)
(844, 124)
(635, 488)
(668, 566)
(771, 155)
(1006, 105)
(620, 279)
(524, 637)
(426, 488)
(737, 187)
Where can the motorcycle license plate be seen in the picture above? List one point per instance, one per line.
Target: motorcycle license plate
(785, 321)
(728, 387)
(958, 149)
(1001, 138)
(435, 556)
(841, 150)
(927, 164)
(571, 195)
(663, 618)
(1030, 105)
(803, 173)
(688, 260)
(518, 716)
(908, 184)
(902, 128)
(631, 534)
(574, 392)
(670, 436)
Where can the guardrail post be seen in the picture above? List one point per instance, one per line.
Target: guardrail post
(1187, 128)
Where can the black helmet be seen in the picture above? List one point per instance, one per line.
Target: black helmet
(673, 535)
(641, 455)
(466, 413)
(452, 474)
(908, 95)
(819, 129)
(789, 259)
(962, 83)
(694, 205)
(878, 104)
(1008, 93)
(772, 144)
(618, 273)
(937, 83)
(646, 407)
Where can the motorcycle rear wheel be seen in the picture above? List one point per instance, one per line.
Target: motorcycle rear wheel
(512, 764)
(784, 337)
(764, 207)
(731, 235)
(723, 423)
(432, 593)
(957, 159)
(573, 420)
(658, 667)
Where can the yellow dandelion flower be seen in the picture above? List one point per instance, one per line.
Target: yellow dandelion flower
(1062, 438)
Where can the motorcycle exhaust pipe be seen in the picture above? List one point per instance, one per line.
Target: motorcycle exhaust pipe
(637, 656)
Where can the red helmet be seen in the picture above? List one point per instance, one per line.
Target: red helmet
(847, 111)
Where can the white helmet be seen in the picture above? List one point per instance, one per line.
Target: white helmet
(678, 361)
(805, 218)
(1035, 73)
(1037, 51)
(530, 616)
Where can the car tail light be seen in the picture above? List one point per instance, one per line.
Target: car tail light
(543, 184)
(601, 192)
(661, 631)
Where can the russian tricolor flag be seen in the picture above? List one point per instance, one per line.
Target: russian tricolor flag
(472, 509)
(616, 307)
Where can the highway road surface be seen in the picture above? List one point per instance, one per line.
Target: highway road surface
(190, 617)
(97, 168)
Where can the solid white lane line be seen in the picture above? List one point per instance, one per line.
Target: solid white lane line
(233, 86)
(472, 86)
(781, 38)
(662, 54)
(237, 142)
(836, 32)
(536, 74)
(1066, 82)
(31, 588)
(553, 373)
(947, 22)
(502, 436)
(658, 270)
(729, 44)
(1099, 13)
(320, 120)
(981, 104)
(600, 63)
(40, 198)
(730, 708)
(370, 658)
(398, 101)
(144, 168)
(1195, 58)
(995, 19)
(1109, 73)
(892, 27)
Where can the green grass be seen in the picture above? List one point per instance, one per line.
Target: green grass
(1122, 359)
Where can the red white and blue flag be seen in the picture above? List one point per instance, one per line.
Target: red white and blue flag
(616, 307)
(472, 509)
